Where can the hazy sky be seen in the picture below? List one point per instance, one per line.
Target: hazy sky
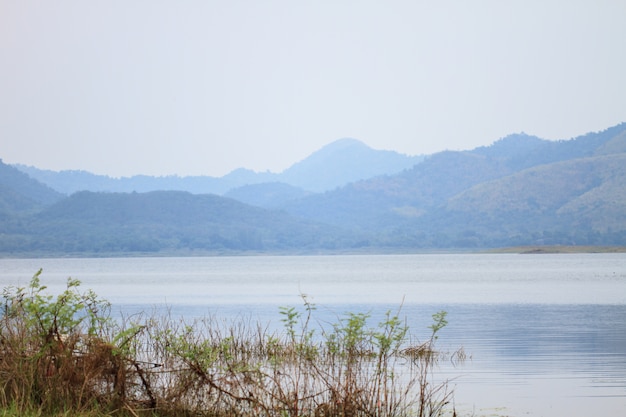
(200, 87)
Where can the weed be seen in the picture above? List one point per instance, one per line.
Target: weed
(64, 355)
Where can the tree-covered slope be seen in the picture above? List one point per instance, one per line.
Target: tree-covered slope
(381, 202)
(19, 192)
(520, 190)
(88, 222)
(513, 191)
(578, 199)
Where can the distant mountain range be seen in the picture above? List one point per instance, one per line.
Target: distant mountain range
(521, 190)
(455, 195)
(339, 163)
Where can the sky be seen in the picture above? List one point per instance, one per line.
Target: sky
(202, 87)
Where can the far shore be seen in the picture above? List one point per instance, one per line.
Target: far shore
(559, 249)
(539, 249)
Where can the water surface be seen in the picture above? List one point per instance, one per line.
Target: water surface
(546, 334)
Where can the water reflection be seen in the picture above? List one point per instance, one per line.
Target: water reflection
(545, 335)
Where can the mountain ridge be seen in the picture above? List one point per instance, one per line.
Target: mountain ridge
(338, 163)
(522, 190)
(416, 199)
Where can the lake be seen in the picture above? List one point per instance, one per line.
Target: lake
(545, 334)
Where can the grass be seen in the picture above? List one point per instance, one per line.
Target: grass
(64, 356)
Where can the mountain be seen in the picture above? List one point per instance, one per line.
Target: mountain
(19, 192)
(171, 221)
(522, 151)
(571, 202)
(336, 164)
(342, 162)
(71, 181)
(379, 203)
(521, 190)
(460, 199)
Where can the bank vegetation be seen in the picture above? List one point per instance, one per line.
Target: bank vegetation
(64, 355)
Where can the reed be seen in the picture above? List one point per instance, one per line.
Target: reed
(65, 356)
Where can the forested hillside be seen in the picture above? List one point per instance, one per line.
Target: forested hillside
(521, 190)
(26, 187)
(466, 199)
(172, 221)
(576, 202)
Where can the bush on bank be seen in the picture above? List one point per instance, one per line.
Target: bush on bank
(64, 355)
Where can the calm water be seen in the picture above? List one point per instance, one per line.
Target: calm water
(546, 333)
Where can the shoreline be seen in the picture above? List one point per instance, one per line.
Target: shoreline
(531, 249)
(548, 249)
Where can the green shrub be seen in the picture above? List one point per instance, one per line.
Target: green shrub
(64, 355)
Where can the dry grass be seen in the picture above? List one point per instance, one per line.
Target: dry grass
(63, 356)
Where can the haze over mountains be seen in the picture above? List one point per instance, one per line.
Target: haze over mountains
(521, 190)
(336, 164)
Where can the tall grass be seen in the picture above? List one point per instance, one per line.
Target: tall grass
(64, 355)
